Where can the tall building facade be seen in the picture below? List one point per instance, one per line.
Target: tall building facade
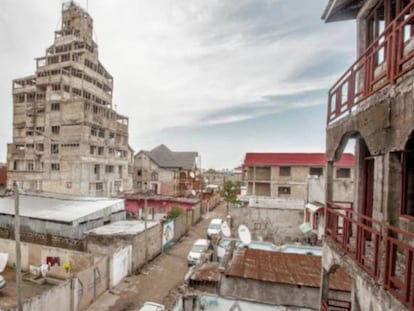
(372, 236)
(67, 138)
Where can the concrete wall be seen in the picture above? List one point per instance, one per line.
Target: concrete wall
(274, 225)
(180, 226)
(343, 189)
(196, 213)
(90, 283)
(88, 272)
(58, 296)
(110, 244)
(274, 293)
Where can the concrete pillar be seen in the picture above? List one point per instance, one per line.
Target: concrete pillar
(329, 181)
(324, 291)
(254, 181)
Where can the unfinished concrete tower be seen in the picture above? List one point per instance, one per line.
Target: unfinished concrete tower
(67, 138)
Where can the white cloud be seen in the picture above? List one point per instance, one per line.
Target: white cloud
(175, 62)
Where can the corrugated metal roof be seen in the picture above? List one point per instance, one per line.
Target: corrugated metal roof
(295, 159)
(207, 272)
(286, 268)
(61, 209)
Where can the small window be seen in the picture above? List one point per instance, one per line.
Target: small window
(30, 165)
(343, 172)
(92, 149)
(316, 171)
(55, 167)
(139, 173)
(55, 106)
(96, 169)
(54, 148)
(284, 171)
(94, 131)
(101, 133)
(283, 191)
(109, 169)
(55, 130)
(101, 150)
(99, 187)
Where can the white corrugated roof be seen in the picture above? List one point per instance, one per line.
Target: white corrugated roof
(59, 209)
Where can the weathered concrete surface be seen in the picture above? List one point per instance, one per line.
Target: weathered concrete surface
(157, 281)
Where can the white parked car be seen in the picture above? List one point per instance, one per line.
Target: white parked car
(152, 306)
(214, 227)
(200, 246)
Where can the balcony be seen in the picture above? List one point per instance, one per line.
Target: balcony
(360, 236)
(389, 57)
(399, 278)
(335, 305)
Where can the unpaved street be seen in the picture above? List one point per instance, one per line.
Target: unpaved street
(155, 281)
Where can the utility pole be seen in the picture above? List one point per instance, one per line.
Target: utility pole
(145, 228)
(18, 250)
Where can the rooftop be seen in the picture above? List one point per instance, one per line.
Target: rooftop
(60, 208)
(124, 227)
(295, 159)
(286, 268)
(166, 158)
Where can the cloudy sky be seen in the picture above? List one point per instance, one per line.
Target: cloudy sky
(221, 77)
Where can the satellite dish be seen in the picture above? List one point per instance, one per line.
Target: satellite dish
(193, 192)
(192, 174)
(225, 229)
(244, 234)
(3, 261)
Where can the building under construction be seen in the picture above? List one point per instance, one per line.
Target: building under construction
(67, 138)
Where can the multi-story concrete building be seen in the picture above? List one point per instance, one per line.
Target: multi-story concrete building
(372, 236)
(67, 138)
(167, 172)
(285, 174)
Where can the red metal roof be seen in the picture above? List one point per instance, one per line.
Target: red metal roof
(295, 159)
(286, 268)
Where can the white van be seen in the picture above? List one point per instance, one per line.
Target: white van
(214, 227)
(3, 262)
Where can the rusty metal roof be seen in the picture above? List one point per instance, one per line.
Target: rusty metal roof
(207, 272)
(278, 267)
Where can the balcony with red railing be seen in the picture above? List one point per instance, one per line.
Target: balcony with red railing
(386, 59)
(335, 305)
(358, 235)
(398, 276)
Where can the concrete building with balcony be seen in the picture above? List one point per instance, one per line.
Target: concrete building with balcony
(67, 138)
(284, 175)
(166, 172)
(371, 236)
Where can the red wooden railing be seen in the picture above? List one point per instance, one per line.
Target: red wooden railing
(386, 59)
(335, 305)
(399, 277)
(358, 235)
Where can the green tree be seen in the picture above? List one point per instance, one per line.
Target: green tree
(174, 212)
(229, 192)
